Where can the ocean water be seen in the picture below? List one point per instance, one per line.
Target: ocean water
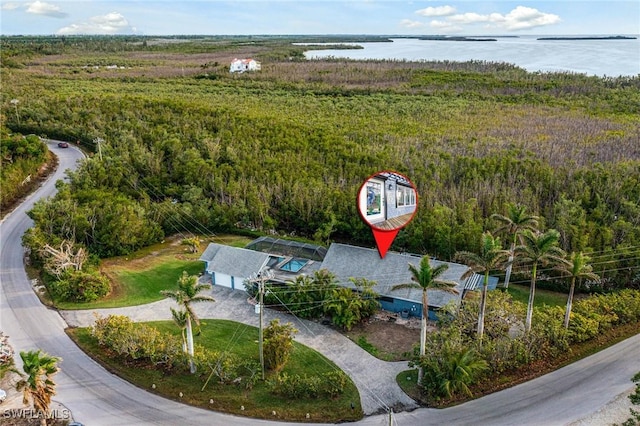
(611, 58)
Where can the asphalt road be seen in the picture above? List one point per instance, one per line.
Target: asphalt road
(96, 397)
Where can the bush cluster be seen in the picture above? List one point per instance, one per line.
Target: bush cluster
(80, 286)
(138, 341)
(454, 347)
(142, 342)
(313, 297)
(226, 367)
(296, 386)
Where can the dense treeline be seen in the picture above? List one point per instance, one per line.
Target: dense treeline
(20, 159)
(188, 146)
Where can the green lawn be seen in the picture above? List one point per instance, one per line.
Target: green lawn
(138, 278)
(542, 297)
(140, 286)
(258, 402)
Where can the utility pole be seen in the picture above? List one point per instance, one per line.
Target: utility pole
(262, 277)
(260, 338)
(15, 103)
(390, 416)
(98, 141)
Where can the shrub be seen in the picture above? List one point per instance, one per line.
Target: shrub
(80, 286)
(626, 305)
(278, 342)
(549, 333)
(582, 328)
(138, 341)
(295, 386)
(225, 366)
(452, 372)
(599, 308)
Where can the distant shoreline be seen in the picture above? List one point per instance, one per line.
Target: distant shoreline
(456, 38)
(589, 38)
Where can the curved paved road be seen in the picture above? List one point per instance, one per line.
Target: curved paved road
(96, 397)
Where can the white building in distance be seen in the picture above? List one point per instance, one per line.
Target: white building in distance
(242, 65)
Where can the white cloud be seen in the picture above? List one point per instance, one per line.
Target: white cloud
(471, 18)
(46, 9)
(444, 26)
(111, 23)
(408, 23)
(519, 18)
(437, 11)
(525, 17)
(9, 6)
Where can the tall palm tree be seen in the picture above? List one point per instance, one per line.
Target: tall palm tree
(180, 318)
(538, 249)
(516, 221)
(490, 258)
(425, 278)
(38, 386)
(187, 293)
(577, 267)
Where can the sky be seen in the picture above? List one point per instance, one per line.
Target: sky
(376, 17)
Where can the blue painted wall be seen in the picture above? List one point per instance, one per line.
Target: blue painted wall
(415, 309)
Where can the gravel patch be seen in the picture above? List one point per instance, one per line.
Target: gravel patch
(615, 412)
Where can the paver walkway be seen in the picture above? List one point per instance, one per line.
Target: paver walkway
(375, 379)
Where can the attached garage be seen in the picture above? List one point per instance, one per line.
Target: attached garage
(231, 266)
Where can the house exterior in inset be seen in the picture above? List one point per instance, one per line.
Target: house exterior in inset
(282, 261)
(387, 201)
(242, 65)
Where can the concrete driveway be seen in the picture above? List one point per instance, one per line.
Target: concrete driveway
(375, 379)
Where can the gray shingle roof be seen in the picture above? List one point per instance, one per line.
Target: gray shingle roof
(349, 261)
(476, 281)
(233, 261)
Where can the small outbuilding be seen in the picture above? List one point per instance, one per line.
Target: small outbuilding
(243, 65)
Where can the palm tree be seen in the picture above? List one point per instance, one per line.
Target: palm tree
(180, 318)
(516, 221)
(426, 278)
(38, 385)
(538, 249)
(187, 293)
(459, 371)
(491, 257)
(577, 267)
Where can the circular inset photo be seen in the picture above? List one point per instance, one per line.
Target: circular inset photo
(387, 201)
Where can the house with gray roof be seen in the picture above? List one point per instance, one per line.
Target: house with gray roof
(232, 266)
(282, 262)
(347, 262)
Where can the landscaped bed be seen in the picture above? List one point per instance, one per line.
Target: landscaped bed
(236, 398)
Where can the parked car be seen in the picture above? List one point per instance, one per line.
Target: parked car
(3, 395)
(63, 145)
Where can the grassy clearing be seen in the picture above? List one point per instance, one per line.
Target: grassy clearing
(257, 402)
(137, 287)
(138, 278)
(543, 297)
